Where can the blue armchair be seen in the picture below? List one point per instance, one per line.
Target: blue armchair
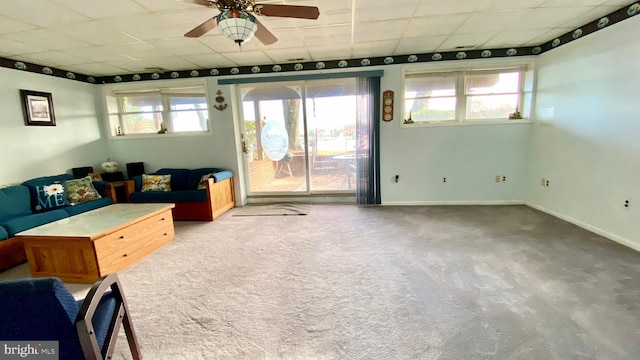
(44, 310)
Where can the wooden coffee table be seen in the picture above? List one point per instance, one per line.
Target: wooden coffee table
(90, 245)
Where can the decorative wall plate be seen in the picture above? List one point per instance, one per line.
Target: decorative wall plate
(175, 75)
(342, 63)
(365, 62)
(20, 65)
(486, 53)
(117, 78)
(276, 68)
(536, 50)
(555, 42)
(576, 34)
(633, 9)
(47, 70)
(436, 57)
(461, 55)
(91, 79)
(136, 77)
(235, 71)
(603, 22)
(320, 65)
(71, 75)
(388, 60)
(194, 73)
(298, 67)
(214, 72)
(255, 69)
(412, 58)
(512, 52)
(155, 76)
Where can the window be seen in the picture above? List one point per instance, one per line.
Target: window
(465, 96)
(158, 111)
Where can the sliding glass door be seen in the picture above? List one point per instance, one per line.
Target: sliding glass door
(300, 137)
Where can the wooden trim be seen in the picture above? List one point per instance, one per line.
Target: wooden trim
(11, 253)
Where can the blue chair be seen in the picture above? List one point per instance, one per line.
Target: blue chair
(44, 310)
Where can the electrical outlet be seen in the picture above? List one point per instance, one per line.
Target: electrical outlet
(444, 179)
(627, 204)
(543, 182)
(546, 184)
(498, 178)
(504, 178)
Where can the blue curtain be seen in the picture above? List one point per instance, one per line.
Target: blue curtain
(368, 140)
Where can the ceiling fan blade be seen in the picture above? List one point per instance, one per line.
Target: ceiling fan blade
(203, 28)
(264, 35)
(291, 11)
(200, 2)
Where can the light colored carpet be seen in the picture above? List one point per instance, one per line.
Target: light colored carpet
(466, 282)
(273, 210)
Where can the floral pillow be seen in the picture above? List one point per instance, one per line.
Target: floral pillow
(203, 181)
(81, 190)
(156, 183)
(49, 197)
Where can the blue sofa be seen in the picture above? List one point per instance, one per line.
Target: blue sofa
(190, 203)
(17, 214)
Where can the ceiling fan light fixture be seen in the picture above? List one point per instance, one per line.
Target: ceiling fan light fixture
(237, 25)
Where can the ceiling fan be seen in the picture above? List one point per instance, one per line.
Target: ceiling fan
(238, 24)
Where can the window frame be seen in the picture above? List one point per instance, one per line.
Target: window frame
(114, 100)
(524, 93)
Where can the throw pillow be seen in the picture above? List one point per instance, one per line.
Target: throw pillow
(81, 190)
(203, 181)
(156, 183)
(49, 197)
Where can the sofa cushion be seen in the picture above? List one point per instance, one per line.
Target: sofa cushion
(87, 206)
(196, 175)
(4, 235)
(179, 177)
(48, 197)
(151, 197)
(222, 175)
(46, 180)
(156, 183)
(20, 224)
(81, 190)
(15, 201)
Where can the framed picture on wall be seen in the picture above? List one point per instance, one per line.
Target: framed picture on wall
(38, 108)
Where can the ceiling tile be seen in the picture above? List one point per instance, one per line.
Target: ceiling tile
(155, 5)
(328, 52)
(492, 5)
(545, 18)
(10, 47)
(210, 61)
(285, 55)
(434, 25)
(491, 21)
(102, 9)
(447, 7)
(96, 69)
(567, 3)
(46, 39)
(386, 30)
(172, 63)
(8, 25)
(247, 58)
(56, 58)
(389, 11)
(408, 46)
(95, 53)
(589, 16)
(508, 38)
(467, 41)
(42, 13)
(374, 48)
(92, 32)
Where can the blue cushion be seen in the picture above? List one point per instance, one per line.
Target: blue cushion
(187, 196)
(88, 206)
(102, 317)
(178, 177)
(46, 180)
(151, 197)
(222, 175)
(137, 182)
(3, 234)
(40, 309)
(23, 223)
(99, 186)
(15, 201)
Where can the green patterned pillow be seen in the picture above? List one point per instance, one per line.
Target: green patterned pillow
(156, 183)
(81, 190)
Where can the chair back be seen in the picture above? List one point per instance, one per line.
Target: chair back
(40, 309)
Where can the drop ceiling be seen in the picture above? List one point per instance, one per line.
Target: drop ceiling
(108, 37)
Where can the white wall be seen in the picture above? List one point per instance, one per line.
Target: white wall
(469, 156)
(587, 139)
(32, 151)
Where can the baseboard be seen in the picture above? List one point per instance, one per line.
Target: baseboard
(434, 203)
(620, 240)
